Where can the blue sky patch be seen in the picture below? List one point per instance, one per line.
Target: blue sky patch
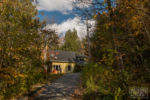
(57, 16)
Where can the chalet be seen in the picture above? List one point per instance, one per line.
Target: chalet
(63, 61)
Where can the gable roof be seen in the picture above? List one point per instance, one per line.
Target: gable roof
(62, 56)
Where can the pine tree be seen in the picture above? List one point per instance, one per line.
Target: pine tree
(72, 42)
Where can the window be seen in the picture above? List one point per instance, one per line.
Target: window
(57, 67)
(69, 68)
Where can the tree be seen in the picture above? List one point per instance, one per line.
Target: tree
(72, 42)
(49, 38)
(119, 47)
(19, 46)
(87, 9)
(17, 32)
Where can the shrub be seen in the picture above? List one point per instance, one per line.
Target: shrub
(78, 68)
(12, 83)
(103, 81)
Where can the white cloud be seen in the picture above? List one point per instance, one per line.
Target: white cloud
(60, 5)
(55, 5)
(76, 23)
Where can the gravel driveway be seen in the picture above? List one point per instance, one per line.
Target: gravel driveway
(61, 89)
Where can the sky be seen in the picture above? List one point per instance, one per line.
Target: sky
(61, 12)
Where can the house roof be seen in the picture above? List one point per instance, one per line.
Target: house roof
(62, 56)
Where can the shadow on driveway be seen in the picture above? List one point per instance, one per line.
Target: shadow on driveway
(61, 89)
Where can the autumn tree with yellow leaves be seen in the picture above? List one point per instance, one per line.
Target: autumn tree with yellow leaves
(120, 49)
(20, 47)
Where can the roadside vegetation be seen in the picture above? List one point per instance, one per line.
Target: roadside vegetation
(120, 49)
(21, 42)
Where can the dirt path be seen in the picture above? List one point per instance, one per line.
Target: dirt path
(62, 89)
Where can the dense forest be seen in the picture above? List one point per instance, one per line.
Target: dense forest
(120, 49)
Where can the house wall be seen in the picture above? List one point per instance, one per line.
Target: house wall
(64, 66)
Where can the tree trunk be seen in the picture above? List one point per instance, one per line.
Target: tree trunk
(88, 37)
